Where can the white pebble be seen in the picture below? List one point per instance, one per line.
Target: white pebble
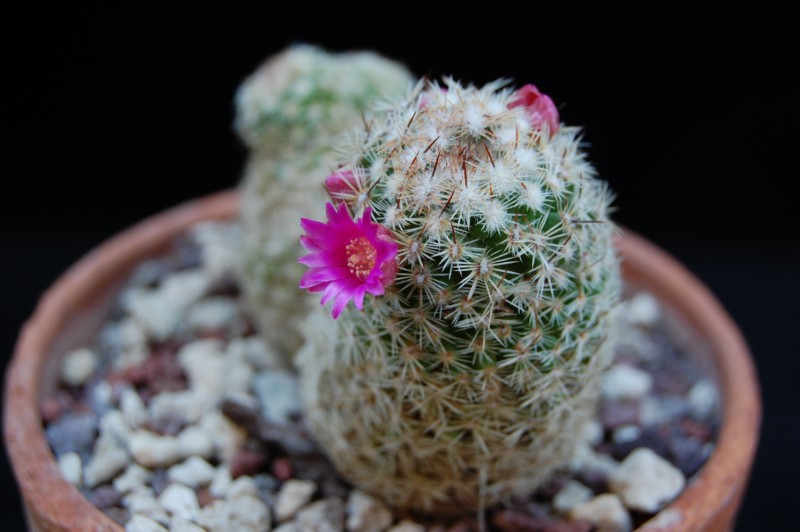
(326, 515)
(132, 407)
(666, 519)
(572, 494)
(132, 340)
(294, 494)
(605, 512)
(210, 370)
(194, 472)
(407, 526)
(249, 513)
(592, 432)
(366, 513)
(152, 450)
(243, 486)
(221, 482)
(227, 437)
(643, 309)
(279, 394)
(78, 367)
(289, 526)
(245, 513)
(646, 482)
(113, 425)
(183, 405)
(71, 467)
(144, 502)
(213, 313)
(703, 398)
(180, 524)
(255, 352)
(218, 247)
(655, 410)
(160, 309)
(180, 501)
(586, 458)
(108, 458)
(194, 440)
(626, 434)
(134, 478)
(625, 382)
(141, 523)
(100, 395)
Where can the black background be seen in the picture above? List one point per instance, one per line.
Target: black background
(110, 116)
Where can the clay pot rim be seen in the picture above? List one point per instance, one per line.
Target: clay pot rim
(54, 503)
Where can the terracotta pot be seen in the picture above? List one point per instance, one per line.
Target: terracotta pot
(73, 309)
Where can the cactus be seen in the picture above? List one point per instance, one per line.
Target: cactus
(481, 256)
(288, 111)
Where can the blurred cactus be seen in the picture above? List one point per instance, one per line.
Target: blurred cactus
(288, 113)
(482, 236)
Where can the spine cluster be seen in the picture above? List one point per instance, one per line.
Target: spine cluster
(469, 379)
(288, 113)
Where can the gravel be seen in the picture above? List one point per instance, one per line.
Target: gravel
(179, 417)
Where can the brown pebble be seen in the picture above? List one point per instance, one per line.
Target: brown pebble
(104, 496)
(282, 469)
(517, 521)
(117, 514)
(204, 497)
(615, 414)
(51, 409)
(464, 525)
(579, 525)
(695, 429)
(247, 462)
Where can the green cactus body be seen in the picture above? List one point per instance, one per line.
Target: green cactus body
(288, 112)
(470, 379)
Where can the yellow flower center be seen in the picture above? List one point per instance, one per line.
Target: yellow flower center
(361, 257)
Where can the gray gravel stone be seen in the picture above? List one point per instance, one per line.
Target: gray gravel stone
(279, 395)
(703, 398)
(73, 431)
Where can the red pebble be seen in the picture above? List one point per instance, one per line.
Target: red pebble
(282, 469)
(247, 462)
(204, 497)
(695, 429)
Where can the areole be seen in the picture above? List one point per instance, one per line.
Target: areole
(76, 304)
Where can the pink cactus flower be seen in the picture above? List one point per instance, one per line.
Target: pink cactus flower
(347, 258)
(541, 109)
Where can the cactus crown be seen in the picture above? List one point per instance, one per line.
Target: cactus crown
(481, 354)
(502, 229)
(305, 95)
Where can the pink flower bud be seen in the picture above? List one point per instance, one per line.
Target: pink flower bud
(541, 109)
